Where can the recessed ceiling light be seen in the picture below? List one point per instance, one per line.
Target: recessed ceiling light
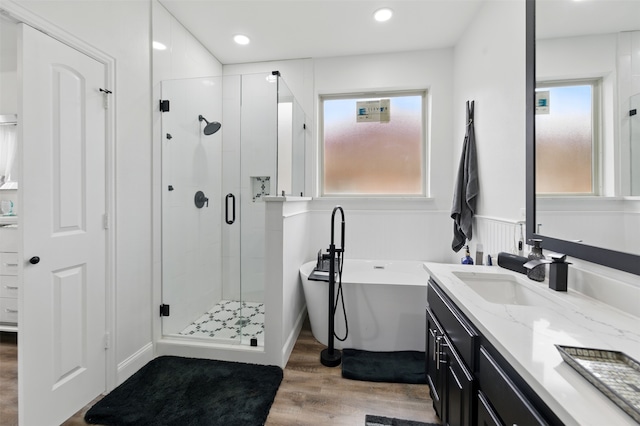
(382, 15)
(159, 46)
(241, 39)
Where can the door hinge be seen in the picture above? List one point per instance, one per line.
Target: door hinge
(164, 105)
(105, 101)
(107, 340)
(105, 221)
(633, 112)
(164, 310)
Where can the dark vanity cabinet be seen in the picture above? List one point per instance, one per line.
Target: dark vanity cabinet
(470, 382)
(449, 359)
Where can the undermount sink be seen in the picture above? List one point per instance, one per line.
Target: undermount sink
(500, 288)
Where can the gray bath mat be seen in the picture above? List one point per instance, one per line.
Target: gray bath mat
(390, 367)
(388, 421)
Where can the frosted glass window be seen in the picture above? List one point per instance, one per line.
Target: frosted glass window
(565, 139)
(369, 152)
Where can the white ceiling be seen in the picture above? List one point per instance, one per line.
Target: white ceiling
(292, 29)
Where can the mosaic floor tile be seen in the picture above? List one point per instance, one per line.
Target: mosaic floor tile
(230, 320)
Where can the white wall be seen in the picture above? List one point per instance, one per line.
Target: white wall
(490, 69)
(409, 229)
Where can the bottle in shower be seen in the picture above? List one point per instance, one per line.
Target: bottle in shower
(537, 273)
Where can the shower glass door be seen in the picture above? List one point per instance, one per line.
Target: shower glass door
(192, 201)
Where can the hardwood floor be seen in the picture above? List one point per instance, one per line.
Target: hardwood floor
(8, 379)
(310, 394)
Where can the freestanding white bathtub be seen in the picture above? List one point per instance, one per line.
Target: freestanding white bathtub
(385, 303)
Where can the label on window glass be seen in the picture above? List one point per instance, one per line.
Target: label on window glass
(542, 102)
(373, 111)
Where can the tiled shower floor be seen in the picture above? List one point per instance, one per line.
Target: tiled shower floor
(229, 320)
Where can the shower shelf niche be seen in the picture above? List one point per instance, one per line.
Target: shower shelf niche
(260, 187)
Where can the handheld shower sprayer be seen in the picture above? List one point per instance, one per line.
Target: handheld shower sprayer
(333, 216)
(211, 127)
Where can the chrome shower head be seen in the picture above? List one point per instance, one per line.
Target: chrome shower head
(210, 128)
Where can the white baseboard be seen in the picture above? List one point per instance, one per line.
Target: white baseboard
(293, 337)
(135, 362)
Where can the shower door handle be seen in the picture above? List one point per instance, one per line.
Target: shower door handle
(226, 208)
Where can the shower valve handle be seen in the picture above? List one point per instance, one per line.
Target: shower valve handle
(200, 199)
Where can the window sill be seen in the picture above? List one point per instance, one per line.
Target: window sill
(377, 203)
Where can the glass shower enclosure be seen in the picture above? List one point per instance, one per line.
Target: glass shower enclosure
(634, 121)
(213, 188)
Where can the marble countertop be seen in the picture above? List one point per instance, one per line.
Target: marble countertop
(526, 337)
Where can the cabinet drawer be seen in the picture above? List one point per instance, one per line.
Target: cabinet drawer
(509, 403)
(460, 332)
(486, 416)
(9, 286)
(8, 263)
(8, 239)
(460, 385)
(8, 310)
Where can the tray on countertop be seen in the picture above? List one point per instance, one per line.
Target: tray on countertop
(614, 374)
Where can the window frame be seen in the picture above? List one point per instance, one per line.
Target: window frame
(596, 134)
(375, 94)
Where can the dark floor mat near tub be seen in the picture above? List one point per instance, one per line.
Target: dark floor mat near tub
(390, 367)
(190, 392)
(388, 421)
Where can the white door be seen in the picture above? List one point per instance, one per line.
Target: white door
(61, 355)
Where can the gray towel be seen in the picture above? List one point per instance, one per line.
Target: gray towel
(466, 189)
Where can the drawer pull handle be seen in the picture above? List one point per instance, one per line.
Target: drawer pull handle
(441, 357)
(10, 287)
(435, 336)
(11, 311)
(10, 264)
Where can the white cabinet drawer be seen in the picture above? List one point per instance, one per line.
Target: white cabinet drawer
(8, 310)
(9, 286)
(8, 239)
(8, 263)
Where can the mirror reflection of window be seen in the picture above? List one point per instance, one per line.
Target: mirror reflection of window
(8, 148)
(566, 138)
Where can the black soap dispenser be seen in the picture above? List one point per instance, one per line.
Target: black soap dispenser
(558, 272)
(537, 273)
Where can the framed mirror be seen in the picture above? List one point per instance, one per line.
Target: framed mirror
(568, 45)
